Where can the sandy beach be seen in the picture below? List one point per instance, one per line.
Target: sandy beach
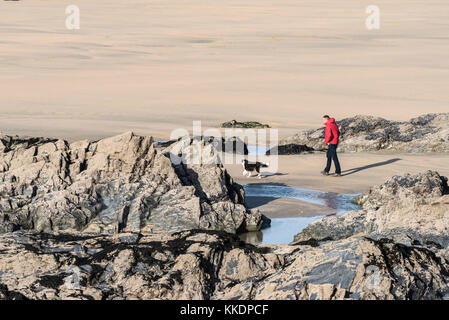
(102, 211)
(153, 66)
(360, 171)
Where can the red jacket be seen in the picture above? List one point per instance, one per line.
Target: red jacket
(331, 132)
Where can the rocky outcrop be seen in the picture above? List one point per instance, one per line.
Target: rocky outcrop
(245, 124)
(213, 265)
(118, 184)
(427, 133)
(409, 209)
(124, 218)
(230, 144)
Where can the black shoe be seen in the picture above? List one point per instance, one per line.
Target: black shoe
(324, 173)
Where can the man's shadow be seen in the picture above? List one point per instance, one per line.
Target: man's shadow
(377, 164)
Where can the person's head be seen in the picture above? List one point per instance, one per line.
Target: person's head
(326, 118)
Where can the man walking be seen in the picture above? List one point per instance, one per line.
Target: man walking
(331, 135)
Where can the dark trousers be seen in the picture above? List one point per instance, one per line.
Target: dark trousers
(332, 155)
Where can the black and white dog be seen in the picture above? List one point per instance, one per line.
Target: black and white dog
(249, 167)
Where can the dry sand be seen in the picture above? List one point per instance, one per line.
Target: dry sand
(152, 66)
(359, 172)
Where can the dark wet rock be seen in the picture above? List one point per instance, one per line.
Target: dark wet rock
(409, 209)
(231, 145)
(235, 145)
(213, 265)
(12, 143)
(289, 149)
(244, 125)
(427, 133)
(6, 294)
(118, 184)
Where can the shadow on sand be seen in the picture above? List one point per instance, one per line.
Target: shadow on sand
(373, 165)
(267, 174)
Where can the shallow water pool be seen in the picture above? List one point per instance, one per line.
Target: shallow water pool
(283, 230)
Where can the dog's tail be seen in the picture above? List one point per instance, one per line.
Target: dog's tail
(265, 165)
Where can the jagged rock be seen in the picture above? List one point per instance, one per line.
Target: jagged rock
(5, 294)
(231, 145)
(245, 124)
(407, 187)
(358, 268)
(8, 143)
(410, 209)
(234, 144)
(213, 265)
(118, 184)
(289, 149)
(118, 201)
(162, 144)
(427, 133)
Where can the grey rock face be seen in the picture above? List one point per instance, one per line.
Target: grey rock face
(410, 209)
(230, 144)
(212, 265)
(427, 133)
(118, 184)
(121, 218)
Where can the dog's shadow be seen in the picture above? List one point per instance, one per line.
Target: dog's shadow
(266, 174)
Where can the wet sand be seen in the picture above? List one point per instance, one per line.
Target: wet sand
(360, 171)
(286, 208)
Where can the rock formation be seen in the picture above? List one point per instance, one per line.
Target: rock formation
(231, 144)
(124, 218)
(410, 209)
(118, 184)
(213, 265)
(244, 125)
(427, 133)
